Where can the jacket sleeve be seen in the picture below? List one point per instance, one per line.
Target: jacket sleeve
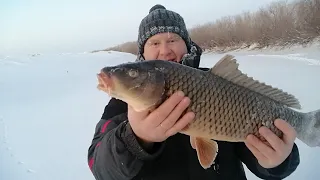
(280, 172)
(115, 152)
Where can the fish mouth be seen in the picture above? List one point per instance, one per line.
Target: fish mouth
(105, 82)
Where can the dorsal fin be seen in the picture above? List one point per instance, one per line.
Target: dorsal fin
(227, 68)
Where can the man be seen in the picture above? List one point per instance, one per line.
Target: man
(131, 145)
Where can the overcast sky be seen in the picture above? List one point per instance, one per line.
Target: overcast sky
(35, 26)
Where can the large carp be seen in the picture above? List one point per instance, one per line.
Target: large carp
(228, 104)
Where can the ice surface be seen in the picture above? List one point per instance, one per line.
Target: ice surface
(49, 106)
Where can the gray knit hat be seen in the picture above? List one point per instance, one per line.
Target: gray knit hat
(161, 20)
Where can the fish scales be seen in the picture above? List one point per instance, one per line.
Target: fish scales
(228, 105)
(224, 110)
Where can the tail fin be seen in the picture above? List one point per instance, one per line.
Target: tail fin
(311, 135)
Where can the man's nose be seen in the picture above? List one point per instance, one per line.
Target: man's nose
(164, 51)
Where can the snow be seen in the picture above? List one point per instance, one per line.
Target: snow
(50, 106)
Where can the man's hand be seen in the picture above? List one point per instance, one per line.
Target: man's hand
(163, 122)
(270, 157)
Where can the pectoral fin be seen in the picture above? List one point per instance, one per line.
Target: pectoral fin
(192, 142)
(207, 150)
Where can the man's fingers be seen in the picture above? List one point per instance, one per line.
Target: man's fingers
(275, 142)
(175, 114)
(254, 150)
(182, 123)
(264, 149)
(289, 133)
(166, 107)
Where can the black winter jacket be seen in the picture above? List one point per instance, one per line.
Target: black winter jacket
(115, 154)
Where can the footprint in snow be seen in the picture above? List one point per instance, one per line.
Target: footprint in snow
(8, 148)
(31, 171)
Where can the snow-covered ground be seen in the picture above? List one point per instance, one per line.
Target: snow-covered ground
(49, 106)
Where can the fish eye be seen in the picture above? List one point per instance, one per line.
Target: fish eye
(133, 73)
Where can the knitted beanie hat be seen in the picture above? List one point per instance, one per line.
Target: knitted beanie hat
(161, 20)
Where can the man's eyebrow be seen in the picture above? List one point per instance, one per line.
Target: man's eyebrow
(153, 40)
(175, 36)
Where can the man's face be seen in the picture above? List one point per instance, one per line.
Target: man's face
(165, 46)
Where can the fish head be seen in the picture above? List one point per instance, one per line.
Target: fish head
(139, 84)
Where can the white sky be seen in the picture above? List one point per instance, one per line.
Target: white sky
(36, 26)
